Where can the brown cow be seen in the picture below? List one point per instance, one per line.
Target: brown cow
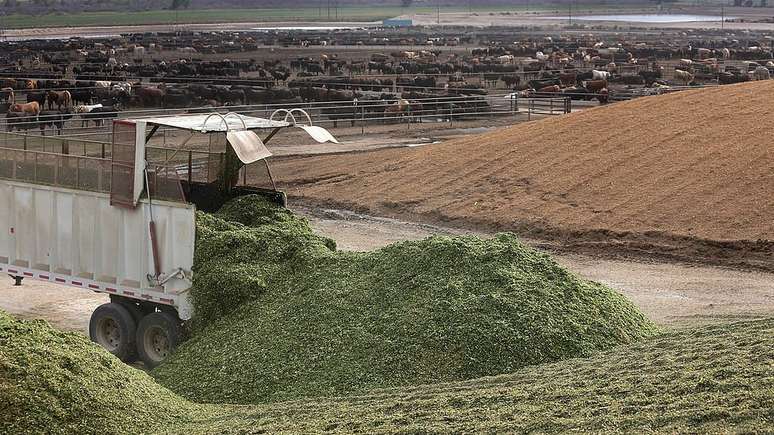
(554, 89)
(150, 97)
(31, 84)
(603, 96)
(60, 98)
(594, 86)
(397, 109)
(32, 108)
(568, 79)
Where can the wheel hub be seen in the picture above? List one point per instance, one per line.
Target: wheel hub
(157, 343)
(109, 334)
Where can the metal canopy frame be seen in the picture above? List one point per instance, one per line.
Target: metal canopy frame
(233, 121)
(246, 147)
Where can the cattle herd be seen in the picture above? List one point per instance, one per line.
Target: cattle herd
(375, 73)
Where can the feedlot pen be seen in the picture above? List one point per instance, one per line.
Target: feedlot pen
(368, 115)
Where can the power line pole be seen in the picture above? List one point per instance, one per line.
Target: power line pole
(723, 15)
(438, 11)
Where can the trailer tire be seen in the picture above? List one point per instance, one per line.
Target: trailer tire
(113, 327)
(131, 306)
(137, 314)
(157, 336)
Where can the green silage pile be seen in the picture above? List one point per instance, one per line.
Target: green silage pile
(59, 382)
(282, 315)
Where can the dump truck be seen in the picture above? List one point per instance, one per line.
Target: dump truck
(120, 220)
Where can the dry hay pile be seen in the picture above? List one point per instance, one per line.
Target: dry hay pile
(675, 173)
(282, 315)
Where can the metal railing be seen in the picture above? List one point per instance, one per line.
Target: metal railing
(326, 113)
(40, 167)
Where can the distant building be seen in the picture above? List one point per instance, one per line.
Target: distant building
(395, 22)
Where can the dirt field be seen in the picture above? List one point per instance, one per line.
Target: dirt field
(686, 176)
(748, 19)
(675, 295)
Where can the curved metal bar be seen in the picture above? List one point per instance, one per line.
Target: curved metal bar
(303, 112)
(223, 118)
(286, 112)
(239, 116)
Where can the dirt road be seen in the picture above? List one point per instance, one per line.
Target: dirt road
(671, 294)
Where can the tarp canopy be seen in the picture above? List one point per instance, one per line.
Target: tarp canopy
(318, 133)
(247, 146)
(208, 122)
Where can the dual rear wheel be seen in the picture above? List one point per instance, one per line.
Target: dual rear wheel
(130, 333)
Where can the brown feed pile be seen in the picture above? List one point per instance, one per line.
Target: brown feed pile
(677, 174)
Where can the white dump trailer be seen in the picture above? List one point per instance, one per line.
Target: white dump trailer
(119, 219)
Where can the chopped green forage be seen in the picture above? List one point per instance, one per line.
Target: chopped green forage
(281, 315)
(60, 382)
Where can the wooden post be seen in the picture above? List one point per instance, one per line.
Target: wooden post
(190, 168)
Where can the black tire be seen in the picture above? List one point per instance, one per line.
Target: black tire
(131, 306)
(137, 314)
(157, 337)
(113, 327)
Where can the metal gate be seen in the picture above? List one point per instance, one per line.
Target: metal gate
(122, 164)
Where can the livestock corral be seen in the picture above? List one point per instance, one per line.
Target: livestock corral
(367, 76)
(497, 230)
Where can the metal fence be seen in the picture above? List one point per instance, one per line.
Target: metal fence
(328, 113)
(40, 167)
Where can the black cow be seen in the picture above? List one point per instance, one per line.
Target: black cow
(54, 119)
(20, 121)
(99, 114)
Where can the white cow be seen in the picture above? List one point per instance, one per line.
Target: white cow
(761, 73)
(599, 75)
(683, 76)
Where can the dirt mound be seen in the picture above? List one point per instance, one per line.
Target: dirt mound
(60, 382)
(689, 173)
(286, 317)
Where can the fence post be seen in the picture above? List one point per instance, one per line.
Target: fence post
(57, 160)
(99, 178)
